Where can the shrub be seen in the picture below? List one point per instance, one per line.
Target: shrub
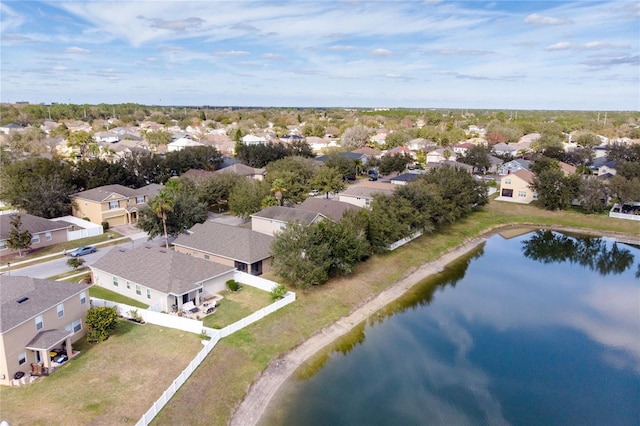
(233, 285)
(75, 262)
(101, 321)
(105, 225)
(278, 292)
(88, 278)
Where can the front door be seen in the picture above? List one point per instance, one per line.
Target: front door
(185, 298)
(38, 357)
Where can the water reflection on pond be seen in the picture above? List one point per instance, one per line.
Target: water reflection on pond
(543, 328)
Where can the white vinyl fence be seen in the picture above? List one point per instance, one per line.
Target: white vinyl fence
(194, 326)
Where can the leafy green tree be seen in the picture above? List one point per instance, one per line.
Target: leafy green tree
(187, 211)
(550, 145)
(593, 194)
(18, 239)
(158, 137)
(394, 163)
(101, 322)
(395, 139)
(555, 191)
(543, 163)
(80, 140)
(587, 140)
(197, 157)
(215, 192)
(339, 162)
(477, 157)
(294, 174)
(279, 189)
(246, 197)
(625, 190)
(61, 131)
(327, 179)
(392, 218)
(259, 156)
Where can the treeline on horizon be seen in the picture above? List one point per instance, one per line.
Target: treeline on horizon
(129, 113)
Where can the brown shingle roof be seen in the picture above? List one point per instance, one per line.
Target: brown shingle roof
(42, 295)
(31, 223)
(330, 208)
(228, 241)
(163, 270)
(103, 192)
(287, 214)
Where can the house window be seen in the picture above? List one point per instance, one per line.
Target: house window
(282, 226)
(507, 192)
(35, 239)
(39, 323)
(22, 358)
(138, 290)
(113, 205)
(522, 194)
(148, 293)
(242, 267)
(206, 257)
(74, 326)
(47, 236)
(140, 200)
(507, 181)
(83, 297)
(200, 290)
(115, 281)
(60, 310)
(128, 285)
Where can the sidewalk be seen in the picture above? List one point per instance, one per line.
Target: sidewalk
(17, 265)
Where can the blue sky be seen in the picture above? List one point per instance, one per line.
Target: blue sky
(581, 55)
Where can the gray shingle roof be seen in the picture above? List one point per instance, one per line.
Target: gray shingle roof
(330, 208)
(360, 191)
(287, 214)
(31, 223)
(228, 241)
(103, 192)
(42, 295)
(163, 270)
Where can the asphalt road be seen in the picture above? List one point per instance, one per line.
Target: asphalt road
(59, 266)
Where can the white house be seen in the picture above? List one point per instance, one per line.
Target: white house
(253, 140)
(182, 143)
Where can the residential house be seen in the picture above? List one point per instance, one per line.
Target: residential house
(461, 149)
(44, 232)
(380, 138)
(354, 156)
(245, 250)
(182, 143)
(163, 279)
(318, 144)
(514, 166)
(37, 316)
(362, 193)
(421, 144)
(274, 219)
(515, 187)
(106, 137)
(368, 151)
(244, 170)
(329, 208)
(496, 162)
(11, 127)
(567, 169)
(602, 166)
(404, 178)
(254, 140)
(400, 150)
(114, 204)
(441, 154)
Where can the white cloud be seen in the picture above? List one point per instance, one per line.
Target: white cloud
(77, 50)
(231, 53)
(340, 48)
(272, 56)
(563, 45)
(381, 53)
(537, 19)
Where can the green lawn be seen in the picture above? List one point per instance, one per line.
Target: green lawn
(108, 383)
(237, 305)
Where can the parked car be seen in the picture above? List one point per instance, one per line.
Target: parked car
(81, 251)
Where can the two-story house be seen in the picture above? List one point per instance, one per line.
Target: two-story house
(37, 316)
(515, 187)
(114, 204)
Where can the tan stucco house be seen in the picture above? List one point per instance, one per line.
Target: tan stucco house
(361, 194)
(37, 316)
(44, 232)
(238, 247)
(163, 279)
(115, 204)
(274, 219)
(515, 187)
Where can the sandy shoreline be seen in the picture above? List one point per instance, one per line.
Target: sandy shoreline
(261, 392)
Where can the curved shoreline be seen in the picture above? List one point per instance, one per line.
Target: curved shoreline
(277, 372)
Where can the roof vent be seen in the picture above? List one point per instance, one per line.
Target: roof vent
(22, 299)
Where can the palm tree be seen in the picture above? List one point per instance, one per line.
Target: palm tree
(161, 205)
(278, 189)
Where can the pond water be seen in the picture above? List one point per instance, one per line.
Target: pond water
(540, 328)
